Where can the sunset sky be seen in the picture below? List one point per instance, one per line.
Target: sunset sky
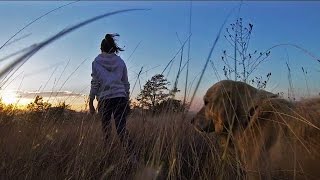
(62, 69)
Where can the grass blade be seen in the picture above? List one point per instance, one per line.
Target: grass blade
(35, 20)
(43, 44)
(208, 58)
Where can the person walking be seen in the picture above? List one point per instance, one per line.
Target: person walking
(110, 86)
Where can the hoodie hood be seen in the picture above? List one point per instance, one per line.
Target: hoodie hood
(109, 77)
(109, 61)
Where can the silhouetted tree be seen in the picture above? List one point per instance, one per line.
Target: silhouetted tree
(58, 111)
(154, 92)
(38, 105)
(170, 105)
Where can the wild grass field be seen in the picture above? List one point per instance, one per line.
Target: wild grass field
(36, 146)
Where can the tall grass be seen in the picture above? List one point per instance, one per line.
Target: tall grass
(32, 147)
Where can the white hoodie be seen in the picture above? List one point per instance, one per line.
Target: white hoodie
(109, 77)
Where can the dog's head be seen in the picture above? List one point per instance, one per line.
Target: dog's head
(228, 105)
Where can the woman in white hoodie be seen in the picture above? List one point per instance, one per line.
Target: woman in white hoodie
(110, 86)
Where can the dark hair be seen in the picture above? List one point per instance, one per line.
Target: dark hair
(109, 45)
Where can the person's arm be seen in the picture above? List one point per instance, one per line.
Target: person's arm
(95, 84)
(126, 81)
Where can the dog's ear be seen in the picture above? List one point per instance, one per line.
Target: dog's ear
(258, 99)
(228, 112)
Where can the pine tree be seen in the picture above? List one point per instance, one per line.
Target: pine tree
(154, 92)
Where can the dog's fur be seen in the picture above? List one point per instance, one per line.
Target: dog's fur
(275, 138)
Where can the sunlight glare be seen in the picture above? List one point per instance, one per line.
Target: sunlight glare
(9, 97)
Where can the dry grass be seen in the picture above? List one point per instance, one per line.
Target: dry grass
(73, 148)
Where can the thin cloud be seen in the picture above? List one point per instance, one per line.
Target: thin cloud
(46, 94)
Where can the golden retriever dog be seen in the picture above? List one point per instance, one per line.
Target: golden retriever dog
(273, 138)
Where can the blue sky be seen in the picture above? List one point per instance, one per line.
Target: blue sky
(273, 23)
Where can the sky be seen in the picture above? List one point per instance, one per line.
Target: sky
(150, 38)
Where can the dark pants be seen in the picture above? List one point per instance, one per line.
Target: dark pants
(119, 107)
